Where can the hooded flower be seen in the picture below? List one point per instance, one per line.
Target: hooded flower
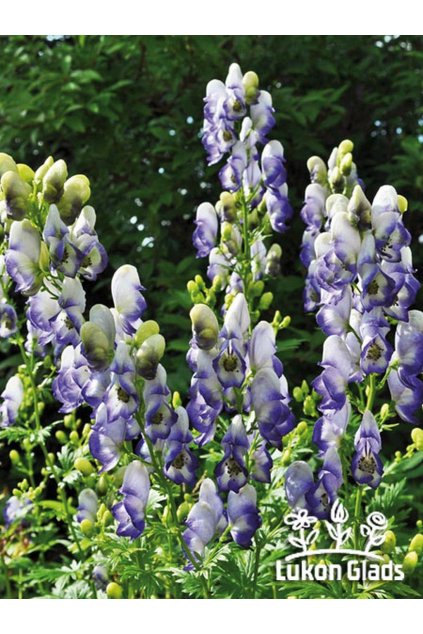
(205, 519)
(23, 257)
(12, 396)
(243, 516)
(231, 472)
(130, 512)
(366, 465)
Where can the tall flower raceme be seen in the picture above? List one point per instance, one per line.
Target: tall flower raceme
(239, 395)
(361, 283)
(104, 358)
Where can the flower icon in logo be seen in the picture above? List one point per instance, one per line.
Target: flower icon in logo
(300, 519)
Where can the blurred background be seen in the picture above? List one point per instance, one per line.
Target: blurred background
(127, 112)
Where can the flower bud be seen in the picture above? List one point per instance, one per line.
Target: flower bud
(76, 193)
(176, 400)
(146, 330)
(101, 486)
(54, 181)
(302, 427)
(26, 173)
(226, 206)
(390, 542)
(416, 544)
(205, 326)
(87, 527)
(84, 466)
(345, 147)
(402, 204)
(183, 510)
(317, 169)
(42, 170)
(410, 562)
(336, 179)
(250, 82)
(417, 437)
(309, 406)
(148, 356)
(298, 395)
(256, 288)
(16, 193)
(346, 164)
(96, 345)
(265, 300)
(7, 164)
(14, 456)
(384, 411)
(74, 437)
(286, 321)
(61, 437)
(273, 257)
(114, 590)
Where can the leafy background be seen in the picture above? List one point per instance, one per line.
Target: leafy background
(127, 111)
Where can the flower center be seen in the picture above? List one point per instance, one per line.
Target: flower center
(367, 464)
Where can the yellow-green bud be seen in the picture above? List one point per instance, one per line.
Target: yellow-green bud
(317, 169)
(16, 193)
(192, 287)
(26, 173)
(26, 444)
(205, 326)
(43, 169)
(256, 288)
(107, 518)
(114, 590)
(416, 544)
(336, 178)
(87, 527)
(384, 411)
(50, 459)
(14, 456)
(309, 406)
(345, 147)
(176, 400)
(273, 257)
(54, 180)
(250, 82)
(68, 420)
(148, 356)
(286, 457)
(74, 437)
(183, 510)
(7, 164)
(146, 330)
(24, 485)
(200, 282)
(417, 437)
(304, 386)
(84, 466)
(61, 437)
(390, 542)
(302, 427)
(226, 231)
(286, 321)
(402, 204)
(44, 260)
(298, 395)
(265, 300)
(410, 562)
(76, 193)
(346, 164)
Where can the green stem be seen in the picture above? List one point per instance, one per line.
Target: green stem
(371, 393)
(29, 364)
(6, 578)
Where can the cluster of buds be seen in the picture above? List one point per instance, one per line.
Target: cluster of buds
(237, 118)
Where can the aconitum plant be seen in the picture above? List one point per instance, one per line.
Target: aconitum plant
(146, 492)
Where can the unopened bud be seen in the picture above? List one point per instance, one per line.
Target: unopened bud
(84, 466)
(317, 169)
(176, 400)
(285, 323)
(26, 173)
(345, 147)
(402, 204)
(417, 438)
(205, 326)
(183, 510)
(309, 406)
(61, 437)
(148, 356)
(53, 182)
(87, 527)
(7, 164)
(43, 169)
(250, 82)
(302, 427)
(227, 206)
(273, 257)
(146, 330)
(359, 207)
(14, 456)
(76, 193)
(390, 542)
(410, 562)
(16, 193)
(96, 345)
(346, 164)
(384, 411)
(265, 300)
(416, 544)
(298, 395)
(114, 590)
